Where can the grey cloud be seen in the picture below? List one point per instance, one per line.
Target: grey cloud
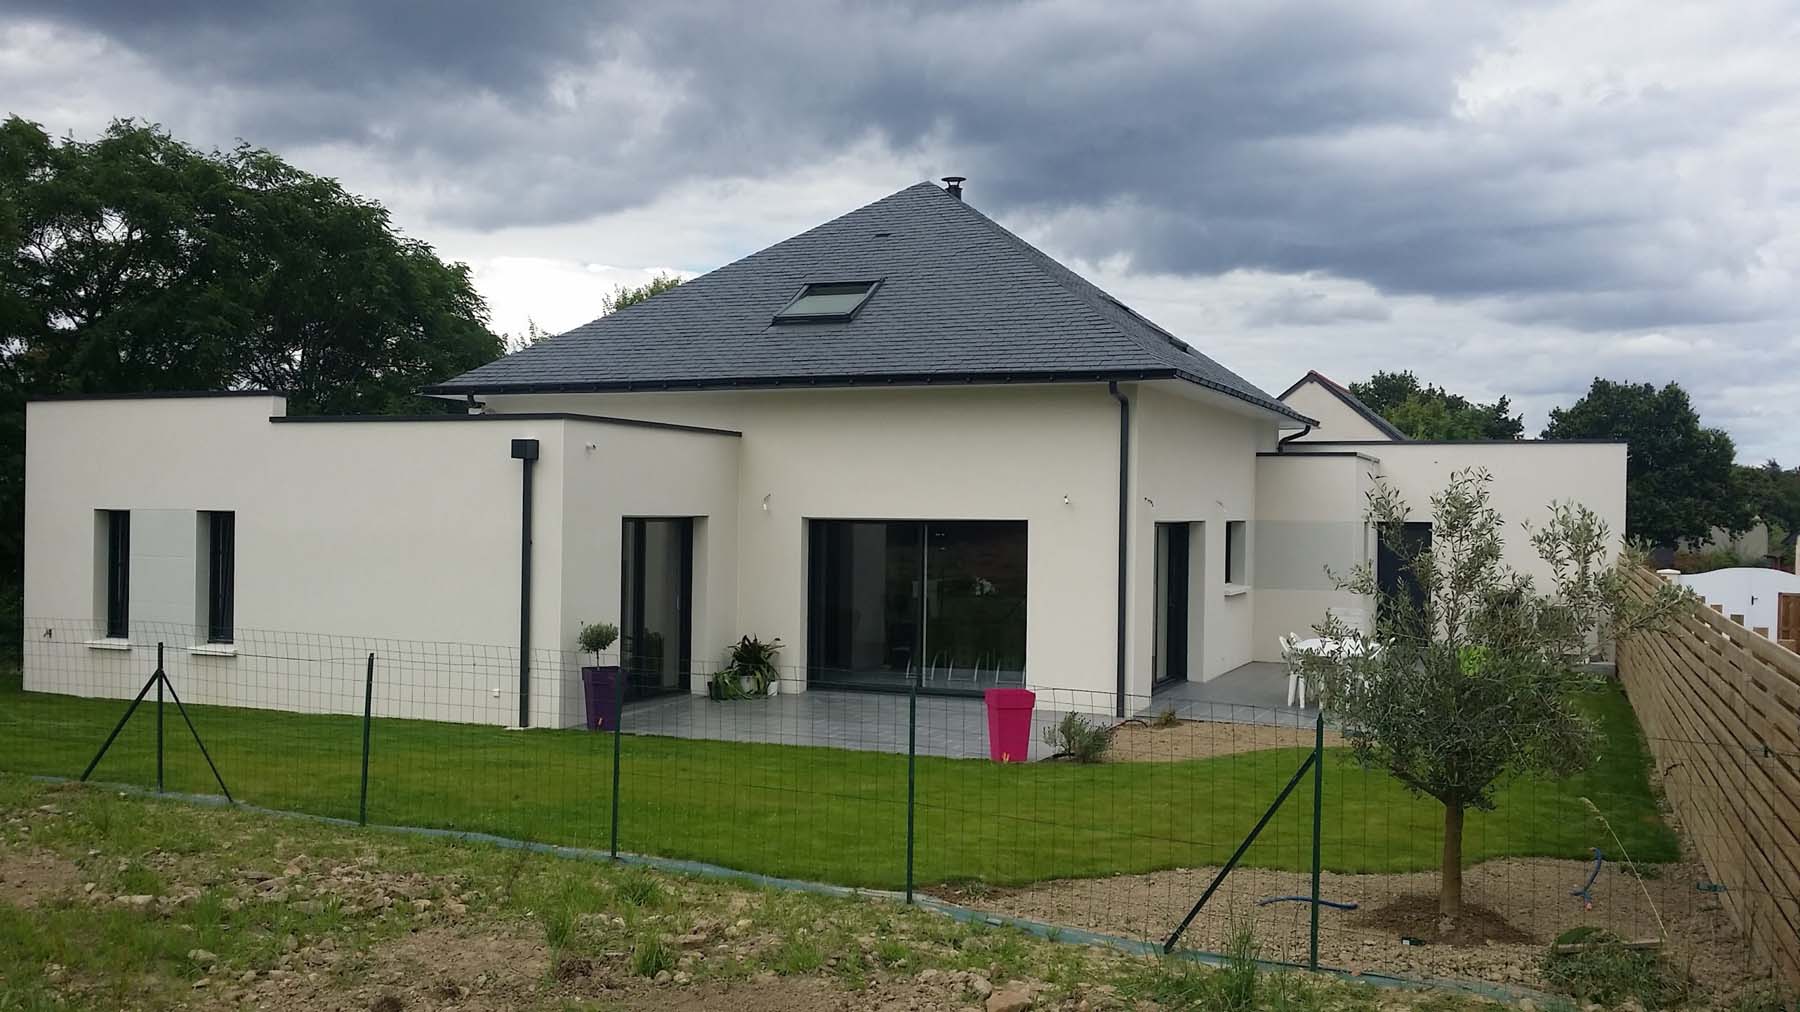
(1288, 137)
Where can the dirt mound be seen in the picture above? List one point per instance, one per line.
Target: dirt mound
(1416, 916)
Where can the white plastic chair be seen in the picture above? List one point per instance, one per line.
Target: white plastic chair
(1296, 685)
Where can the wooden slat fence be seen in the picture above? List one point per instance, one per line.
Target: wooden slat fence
(1721, 708)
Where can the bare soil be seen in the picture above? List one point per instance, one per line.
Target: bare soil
(28, 878)
(1520, 906)
(1136, 741)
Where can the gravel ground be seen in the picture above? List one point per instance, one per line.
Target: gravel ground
(1532, 897)
(1135, 741)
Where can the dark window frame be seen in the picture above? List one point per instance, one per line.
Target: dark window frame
(1237, 562)
(785, 314)
(118, 574)
(221, 575)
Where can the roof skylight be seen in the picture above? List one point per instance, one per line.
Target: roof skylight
(832, 302)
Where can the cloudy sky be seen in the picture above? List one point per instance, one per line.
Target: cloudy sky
(1505, 199)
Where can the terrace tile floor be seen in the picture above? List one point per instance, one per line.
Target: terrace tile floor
(952, 726)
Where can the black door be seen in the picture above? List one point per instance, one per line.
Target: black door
(1171, 651)
(656, 596)
(1394, 577)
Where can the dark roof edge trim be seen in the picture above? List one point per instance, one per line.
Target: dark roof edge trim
(1467, 442)
(1351, 401)
(163, 395)
(521, 416)
(895, 379)
(1291, 454)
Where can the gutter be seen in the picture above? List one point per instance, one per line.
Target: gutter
(525, 451)
(1281, 444)
(1112, 387)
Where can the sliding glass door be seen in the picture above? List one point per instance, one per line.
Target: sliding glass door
(656, 596)
(889, 600)
(1169, 655)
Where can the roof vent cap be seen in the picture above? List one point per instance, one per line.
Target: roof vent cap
(954, 185)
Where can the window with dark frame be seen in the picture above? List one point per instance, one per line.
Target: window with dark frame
(221, 567)
(1237, 552)
(835, 302)
(118, 574)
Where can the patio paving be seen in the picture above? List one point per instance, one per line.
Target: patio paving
(951, 726)
(1254, 693)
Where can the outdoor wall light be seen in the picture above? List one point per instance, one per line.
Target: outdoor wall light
(765, 502)
(1151, 501)
(1066, 499)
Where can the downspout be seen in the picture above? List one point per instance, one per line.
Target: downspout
(1112, 387)
(1281, 444)
(526, 452)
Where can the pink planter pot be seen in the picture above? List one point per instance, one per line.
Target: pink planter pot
(1009, 724)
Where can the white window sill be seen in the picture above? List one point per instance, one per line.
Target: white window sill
(1236, 589)
(213, 649)
(107, 644)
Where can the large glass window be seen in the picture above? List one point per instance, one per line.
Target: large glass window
(655, 634)
(118, 573)
(221, 574)
(940, 600)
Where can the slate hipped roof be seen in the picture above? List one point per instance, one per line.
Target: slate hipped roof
(1351, 401)
(962, 300)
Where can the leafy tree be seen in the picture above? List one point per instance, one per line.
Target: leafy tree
(630, 295)
(135, 262)
(1473, 682)
(1680, 480)
(1425, 411)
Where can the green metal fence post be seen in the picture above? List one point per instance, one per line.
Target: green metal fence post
(912, 778)
(618, 749)
(1312, 956)
(362, 803)
(159, 718)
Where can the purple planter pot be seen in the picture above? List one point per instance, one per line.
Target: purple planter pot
(600, 688)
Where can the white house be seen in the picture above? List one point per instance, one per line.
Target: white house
(1755, 597)
(905, 442)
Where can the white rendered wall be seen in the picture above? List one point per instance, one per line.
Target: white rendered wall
(1337, 420)
(1745, 590)
(393, 536)
(1528, 476)
(1309, 516)
(1195, 462)
(641, 472)
(957, 453)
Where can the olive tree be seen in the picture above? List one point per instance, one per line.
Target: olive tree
(1469, 676)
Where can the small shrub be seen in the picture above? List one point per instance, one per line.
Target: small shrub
(1607, 972)
(596, 639)
(1166, 717)
(638, 889)
(797, 956)
(559, 926)
(1079, 738)
(1234, 984)
(650, 955)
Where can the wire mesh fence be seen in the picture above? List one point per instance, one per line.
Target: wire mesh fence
(899, 790)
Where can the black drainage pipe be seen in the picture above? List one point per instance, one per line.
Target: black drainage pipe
(1112, 387)
(525, 451)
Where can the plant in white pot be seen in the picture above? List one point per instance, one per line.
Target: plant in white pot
(750, 671)
(600, 685)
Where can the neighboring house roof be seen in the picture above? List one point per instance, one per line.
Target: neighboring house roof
(1350, 400)
(961, 299)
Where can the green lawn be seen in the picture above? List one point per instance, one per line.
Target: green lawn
(836, 815)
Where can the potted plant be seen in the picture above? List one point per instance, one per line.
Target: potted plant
(600, 683)
(750, 671)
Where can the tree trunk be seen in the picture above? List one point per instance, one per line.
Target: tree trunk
(1450, 891)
